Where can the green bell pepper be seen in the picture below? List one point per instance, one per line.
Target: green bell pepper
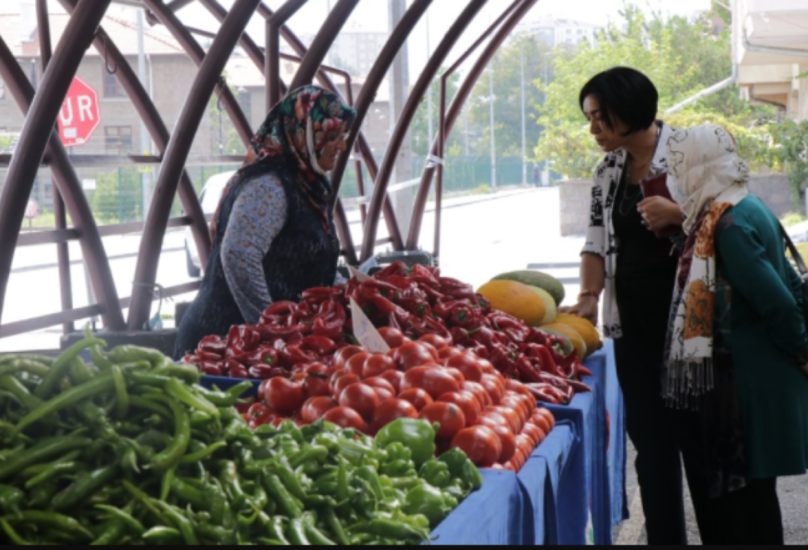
(463, 469)
(437, 474)
(427, 501)
(417, 435)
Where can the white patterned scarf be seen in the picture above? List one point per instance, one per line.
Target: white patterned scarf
(707, 178)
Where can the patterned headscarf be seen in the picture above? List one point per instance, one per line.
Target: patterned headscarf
(707, 178)
(290, 143)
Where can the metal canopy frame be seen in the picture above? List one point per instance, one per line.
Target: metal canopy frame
(39, 144)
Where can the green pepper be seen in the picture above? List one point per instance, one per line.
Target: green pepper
(182, 523)
(333, 523)
(12, 535)
(54, 522)
(297, 533)
(128, 521)
(20, 392)
(314, 535)
(183, 394)
(162, 536)
(416, 435)
(186, 373)
(392, 529)
(371, 476)
(277, 531)
(436, 473)
(463, 469)
(427, 501)
(60, 367)
(398, 468)
(80, 373)
(85, 485)
(398, 452)
(44, 450)
(172, 454)
(132, 354)
(110, 535)
(10, 499)
(286, 503)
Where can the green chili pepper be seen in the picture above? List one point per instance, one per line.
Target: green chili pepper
(204, 454)
(277, 531)
(12, 535)
(297, 533)
(133, 525)
(162, 536)
(343, 482)
(181, 393)
(371, 476)
(59, 368)
(98, 358)
(392, 529)
(165, 485)
(85, 485)
(146, 405)
(67, 399)
(10, 499)
(289, 480)
(111, 534)
(281, 496)
(132, 354)
(28, 365)
(51, 520)
(240, 389)
(121, 395)
(406, 483)
(42, 451)
(172, 455)
(398, 468)
(20, 392)
(219, 399)
(182, 523)
(314, 535)
(51, 472)
(309, 454)
(80, 373)
(187, 373)
(147, 502)
(335, 525)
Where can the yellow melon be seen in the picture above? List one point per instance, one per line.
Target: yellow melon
(583, 327)
(573, 335)
(549, 304)
(515, 299)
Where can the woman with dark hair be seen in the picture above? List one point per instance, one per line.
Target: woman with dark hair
(624, 260)
(273, 233)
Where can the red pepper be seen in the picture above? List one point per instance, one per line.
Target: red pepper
(213, 344)
(544, 356)
(318, 295)
(433, 295)
(401, 283)
(548, 394)
(270, 333)
(211, 369)
(397, 269)
(331, 320)
(485, 336)
(278, 313)
(583, 372)
(265, 372)
(243, 338)
(415, 306)
(290, 356)
(529, 372)
(236, 369)
(208, 357)
(423, 275)
(320, 345)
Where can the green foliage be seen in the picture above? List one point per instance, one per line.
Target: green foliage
(118, 197)
(682, 57)
(421, 142)
(792, 219)
(791, 150)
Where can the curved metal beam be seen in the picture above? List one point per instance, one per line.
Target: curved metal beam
(322, 42)
(169, 19)
(366, 97)
(272, 64)
(417, 95)
(157, 130)
(177, 153)
(42, 109)
(454, 112)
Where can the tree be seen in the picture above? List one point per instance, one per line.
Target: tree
(682, 57)
(420, 138)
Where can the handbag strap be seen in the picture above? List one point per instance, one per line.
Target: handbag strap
(795, 254)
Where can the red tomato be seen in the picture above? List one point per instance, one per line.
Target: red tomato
(491, 419)
(256, 409)
(394, 337)
(516, 405)
(449, 416)
(517, 387)
(433, 351)
(262, 391)
(494, 387)
(343, 382)
(525, 444)
(433, 380)
(347, 419)
(356, 364)
(513, 417)
(508, 442)
(546, 413)
(317, 382)
(382, 387)
(468, 364)
(412, 355)
(480, 444)
(528, 402)
(342, 356)
(541, 422)
(314, 409)
(417, 397)
(395, 378)
(284, 395)
(361, 398)
(376, 365)
(264, 417)
(467, 402)
(457, 375)
(487, 366)
(435, 340)
(390, 411)
(535, 433)
(479, 392)
(448, 352)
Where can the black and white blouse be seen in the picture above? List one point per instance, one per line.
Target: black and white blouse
(600, 237)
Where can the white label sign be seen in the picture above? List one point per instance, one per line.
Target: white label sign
(369, 338)
(358, 275)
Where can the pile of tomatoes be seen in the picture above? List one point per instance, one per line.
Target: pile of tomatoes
(495, 421)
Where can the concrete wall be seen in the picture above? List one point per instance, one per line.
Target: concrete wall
(576, 198)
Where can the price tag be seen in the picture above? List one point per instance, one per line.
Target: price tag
(358, 275)
(369, 338)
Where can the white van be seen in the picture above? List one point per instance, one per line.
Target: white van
(209, 197)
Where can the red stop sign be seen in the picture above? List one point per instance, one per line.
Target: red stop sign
(80, 114)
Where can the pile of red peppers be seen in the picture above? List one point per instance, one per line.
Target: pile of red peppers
(418, 302)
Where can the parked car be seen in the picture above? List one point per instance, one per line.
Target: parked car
(209, 197)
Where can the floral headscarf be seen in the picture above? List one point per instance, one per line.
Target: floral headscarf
(290, 143)
(707, 178)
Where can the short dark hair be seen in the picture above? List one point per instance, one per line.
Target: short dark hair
(626, 95)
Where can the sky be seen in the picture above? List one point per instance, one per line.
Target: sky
(372, 15)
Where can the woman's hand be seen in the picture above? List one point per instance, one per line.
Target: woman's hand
(660, 213)
(588, 308)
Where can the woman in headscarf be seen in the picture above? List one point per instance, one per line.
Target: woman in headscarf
(273, 233)
(737, 347)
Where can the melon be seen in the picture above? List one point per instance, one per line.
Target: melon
(538, 279)
(573, 335)
(583, 327)
(549, 304)
(568, 347)
(515, 299)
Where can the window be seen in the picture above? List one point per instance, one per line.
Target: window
(112, 88)
(2, 90)
(118, 140)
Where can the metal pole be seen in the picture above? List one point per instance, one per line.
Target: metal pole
(273, 50)
(492, 99)
(177, 154)
(62, 249)
(524, 114)
(431, 130)
(145, 141)
(400, 92)
(42, 113)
